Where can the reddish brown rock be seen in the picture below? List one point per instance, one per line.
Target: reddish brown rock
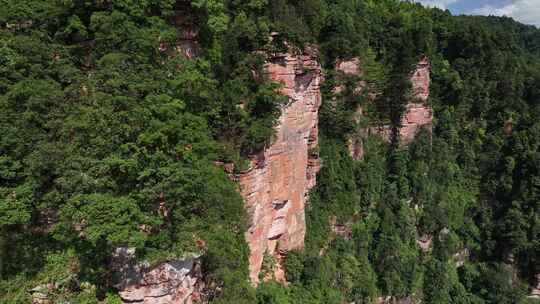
(276, 186)
(417, 114)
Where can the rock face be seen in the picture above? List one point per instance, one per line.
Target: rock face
(425, 242)
(535, 291)
(176, 281)
(276, 186)
(187, 42)
(349, 67)
(417, 115)
(42, 294)
(356, 141)
(392, 300)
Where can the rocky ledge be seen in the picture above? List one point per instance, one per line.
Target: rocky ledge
(174, 281)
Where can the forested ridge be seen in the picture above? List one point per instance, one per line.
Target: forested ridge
(108, 141)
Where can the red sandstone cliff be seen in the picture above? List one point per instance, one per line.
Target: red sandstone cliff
(276, 186)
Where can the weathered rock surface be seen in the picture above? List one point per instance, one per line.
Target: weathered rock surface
(341, 229)
(352, 67)
(349, 67)
(392, 300)
(187, 42)
(535, 291)
(425, 242)
(461, 257)
(276, 186)
(175, 281)
(417, 115)
(49, 293)
(42, 294)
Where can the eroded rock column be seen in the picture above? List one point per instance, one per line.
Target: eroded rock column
(276, 187)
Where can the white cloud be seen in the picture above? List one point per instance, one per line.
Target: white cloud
(442, 4)
(525, 11)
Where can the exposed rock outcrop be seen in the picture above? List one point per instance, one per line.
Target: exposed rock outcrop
(276, 185)
(425, 242)
(461, 257)
(175, 281)
(349, 67)
(535, 291)
(392, 300)
(187, 42)
(352, 67)
(42, 294)
(417, 114)
(51, 292)
(343, 230)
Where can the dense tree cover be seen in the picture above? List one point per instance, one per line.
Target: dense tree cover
(469, 186)
(107, 141)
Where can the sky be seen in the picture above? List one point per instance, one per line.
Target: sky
(525, 11)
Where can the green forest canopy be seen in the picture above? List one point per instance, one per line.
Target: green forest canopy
(98, 127)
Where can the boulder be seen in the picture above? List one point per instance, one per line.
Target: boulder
(176, 281)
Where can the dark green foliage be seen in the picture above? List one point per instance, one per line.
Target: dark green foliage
(107, 141)
(467, 185)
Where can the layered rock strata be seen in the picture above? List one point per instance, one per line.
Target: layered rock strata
(175, 281)
(276, 186)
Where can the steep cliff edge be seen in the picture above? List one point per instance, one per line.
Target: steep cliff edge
(280, 177)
